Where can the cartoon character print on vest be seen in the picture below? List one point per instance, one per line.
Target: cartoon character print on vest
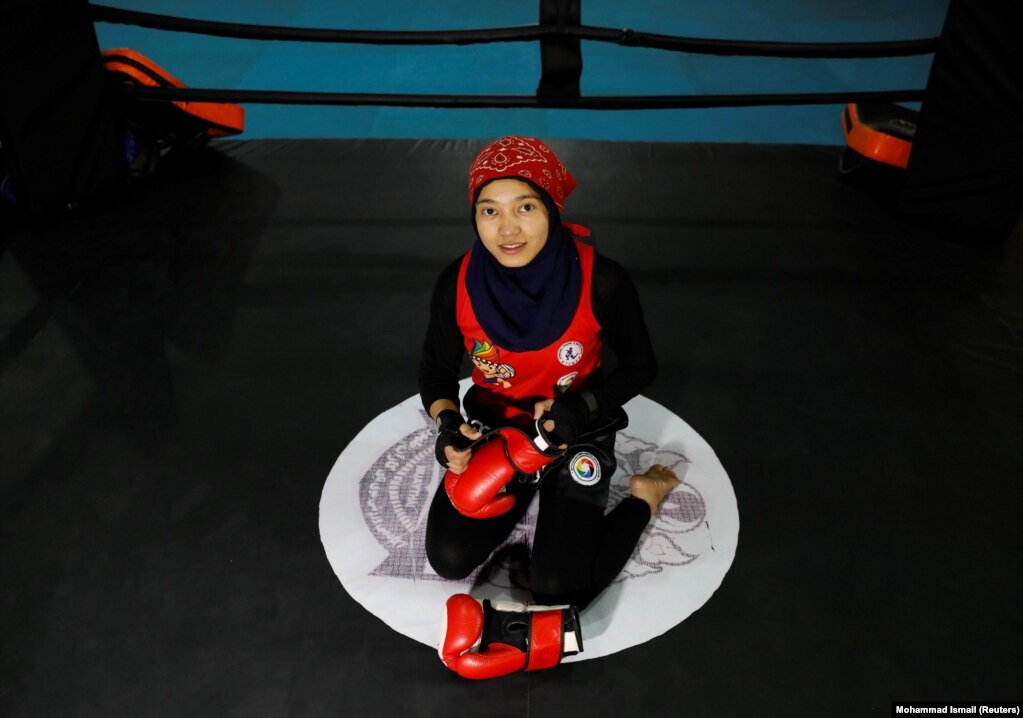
(486, 357)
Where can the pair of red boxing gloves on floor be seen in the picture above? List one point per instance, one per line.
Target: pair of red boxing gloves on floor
(488, 639)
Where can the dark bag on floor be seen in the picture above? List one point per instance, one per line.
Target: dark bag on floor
(60, 144)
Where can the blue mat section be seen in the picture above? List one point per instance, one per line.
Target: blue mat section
(514, 68)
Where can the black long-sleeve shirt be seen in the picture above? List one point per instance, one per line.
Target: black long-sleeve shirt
(622, 329)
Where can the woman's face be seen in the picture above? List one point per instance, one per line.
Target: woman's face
(512, 221)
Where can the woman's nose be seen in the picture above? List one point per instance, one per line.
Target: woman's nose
(508, 226)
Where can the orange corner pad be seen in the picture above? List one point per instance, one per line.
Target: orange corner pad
(880, 132)
(220, 119)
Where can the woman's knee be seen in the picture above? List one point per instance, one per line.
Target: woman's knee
(552, 584)
(449, 560)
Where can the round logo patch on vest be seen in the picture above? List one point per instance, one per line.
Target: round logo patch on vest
(570, 353)
(566, 381)
(585, 468)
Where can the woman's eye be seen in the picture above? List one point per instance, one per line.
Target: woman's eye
(528, 207)
(487, 211)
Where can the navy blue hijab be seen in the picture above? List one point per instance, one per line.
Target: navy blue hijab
(526, 308)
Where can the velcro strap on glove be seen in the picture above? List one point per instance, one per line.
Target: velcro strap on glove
(494, 638)
(479, 492)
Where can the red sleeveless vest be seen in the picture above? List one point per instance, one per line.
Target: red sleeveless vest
(510, 383)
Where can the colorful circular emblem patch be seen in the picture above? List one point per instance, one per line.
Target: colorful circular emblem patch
(570, 353)
(373, 527)
(585, 468)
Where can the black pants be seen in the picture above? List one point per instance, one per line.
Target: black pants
(577, 551)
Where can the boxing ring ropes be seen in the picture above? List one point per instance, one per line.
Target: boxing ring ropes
(559, 33)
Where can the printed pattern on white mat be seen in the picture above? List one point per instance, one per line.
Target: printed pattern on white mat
(373, 522)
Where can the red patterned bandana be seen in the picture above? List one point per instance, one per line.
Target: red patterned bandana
(526, 158)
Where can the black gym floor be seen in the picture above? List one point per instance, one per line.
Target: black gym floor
(178, 374)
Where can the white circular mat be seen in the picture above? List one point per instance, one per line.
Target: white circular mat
(373, 523)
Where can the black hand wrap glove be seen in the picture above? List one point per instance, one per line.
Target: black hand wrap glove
(571, 414)
(449, 425)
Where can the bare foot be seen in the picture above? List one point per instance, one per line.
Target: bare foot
(653, 485)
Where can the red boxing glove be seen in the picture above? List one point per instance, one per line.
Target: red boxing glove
(494, 638)
(478, 492)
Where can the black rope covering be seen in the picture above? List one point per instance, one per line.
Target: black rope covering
(842, 50)
(608, 102)
(103, 13)
(628, 38)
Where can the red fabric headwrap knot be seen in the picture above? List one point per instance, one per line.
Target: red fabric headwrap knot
(522, 158)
